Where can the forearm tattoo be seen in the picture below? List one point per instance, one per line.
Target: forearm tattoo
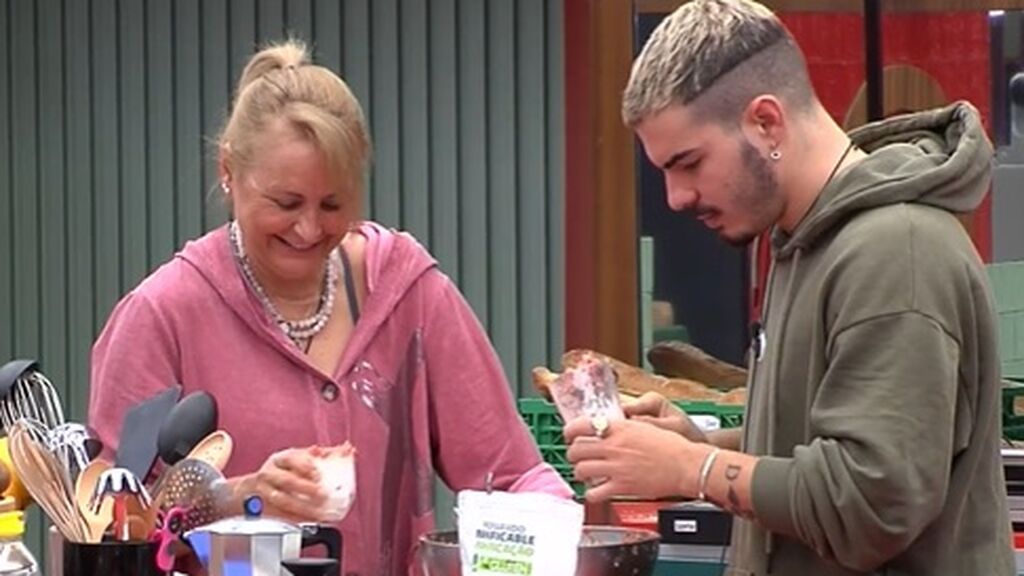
(733, 505)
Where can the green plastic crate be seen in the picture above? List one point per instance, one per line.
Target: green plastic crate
(1013, 423)
(1008, 288)
(546, 424)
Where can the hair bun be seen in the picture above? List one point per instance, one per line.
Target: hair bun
(287, 55)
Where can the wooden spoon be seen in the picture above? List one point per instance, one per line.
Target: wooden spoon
(85, 485)
(215, 449)
(140, 525)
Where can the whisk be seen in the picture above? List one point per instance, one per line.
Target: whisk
(31, 395)
(46, 480)
(68, 442)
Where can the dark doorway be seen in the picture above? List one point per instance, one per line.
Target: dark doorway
(703, 278)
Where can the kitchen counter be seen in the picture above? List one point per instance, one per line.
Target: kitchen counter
(688, 560)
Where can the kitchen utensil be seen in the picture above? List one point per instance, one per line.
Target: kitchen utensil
(215, 449)
(12, 371)
(121, 484)
(137, 449)
(45, 479)
(195, 486)
(189, 422)
(68, 442)
(5, 477)
(26, 393)
(137, 558)
(119, 481)
(85, 485)
(603, 551)
(139, 525)
(252, 545)
(310, 566)
(93, 447)
(167, 536)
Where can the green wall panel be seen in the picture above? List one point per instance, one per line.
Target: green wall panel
(108, 109)
(6, 193)
(159, 143)
(554, 141)
(443, 140)
(502, 213)
(471, 70)
(414, 119)
(1008, 287)
(189, 152)
(79, 201)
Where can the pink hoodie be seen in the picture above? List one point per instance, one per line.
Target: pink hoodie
(421, 389)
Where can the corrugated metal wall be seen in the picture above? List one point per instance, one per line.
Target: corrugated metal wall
(104, 110)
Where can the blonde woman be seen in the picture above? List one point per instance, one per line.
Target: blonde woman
(311, 327)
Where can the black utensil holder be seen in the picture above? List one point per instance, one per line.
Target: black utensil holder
(111, 559)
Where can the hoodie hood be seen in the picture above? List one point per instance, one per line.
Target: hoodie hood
(940, 158)
(394, 261)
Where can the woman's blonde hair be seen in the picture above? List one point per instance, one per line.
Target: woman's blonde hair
(280, 82)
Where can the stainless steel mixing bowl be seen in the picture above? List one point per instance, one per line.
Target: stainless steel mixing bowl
(603, 551)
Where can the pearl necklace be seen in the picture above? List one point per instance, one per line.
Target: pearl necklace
(300, 331)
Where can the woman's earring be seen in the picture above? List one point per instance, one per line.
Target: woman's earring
(775, 155)
(224, 186)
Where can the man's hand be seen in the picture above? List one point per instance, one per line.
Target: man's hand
(633, 459)
(653, 408)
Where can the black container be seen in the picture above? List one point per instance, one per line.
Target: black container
(695, 523)
(111, 559)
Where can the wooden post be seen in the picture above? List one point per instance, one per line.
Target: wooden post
(601, 214)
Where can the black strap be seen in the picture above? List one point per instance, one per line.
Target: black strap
(350, 287)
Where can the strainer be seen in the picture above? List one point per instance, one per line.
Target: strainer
(196, 487)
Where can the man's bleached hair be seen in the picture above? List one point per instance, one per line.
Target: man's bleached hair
(737, 49)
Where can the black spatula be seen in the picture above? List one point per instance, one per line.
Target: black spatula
(188, 423)
(136, 449)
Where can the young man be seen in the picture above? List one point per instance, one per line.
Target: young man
(872, 435)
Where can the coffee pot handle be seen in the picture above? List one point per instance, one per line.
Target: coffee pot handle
(310, 566)
(330, 538)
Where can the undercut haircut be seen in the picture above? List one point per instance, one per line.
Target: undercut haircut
(717, 55)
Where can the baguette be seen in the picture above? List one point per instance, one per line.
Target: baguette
(635, 381)
(734, 397)
(542, 381)
(681, 360)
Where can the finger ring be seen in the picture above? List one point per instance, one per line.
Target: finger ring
(600, 425)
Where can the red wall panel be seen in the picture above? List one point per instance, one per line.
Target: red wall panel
(953, 48)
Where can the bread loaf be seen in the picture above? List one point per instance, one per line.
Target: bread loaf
(681, 360)
(636, 382)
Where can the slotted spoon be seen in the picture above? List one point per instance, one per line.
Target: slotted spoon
(195, 486)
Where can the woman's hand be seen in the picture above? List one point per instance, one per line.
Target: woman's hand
(289, 484)
(653, 408)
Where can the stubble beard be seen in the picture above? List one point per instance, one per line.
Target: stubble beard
(756, 193)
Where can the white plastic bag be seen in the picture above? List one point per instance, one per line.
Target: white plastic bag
(530, 534)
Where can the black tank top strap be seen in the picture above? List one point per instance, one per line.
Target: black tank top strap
(350, 287)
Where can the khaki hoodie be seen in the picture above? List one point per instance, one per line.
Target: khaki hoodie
(876, 399)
